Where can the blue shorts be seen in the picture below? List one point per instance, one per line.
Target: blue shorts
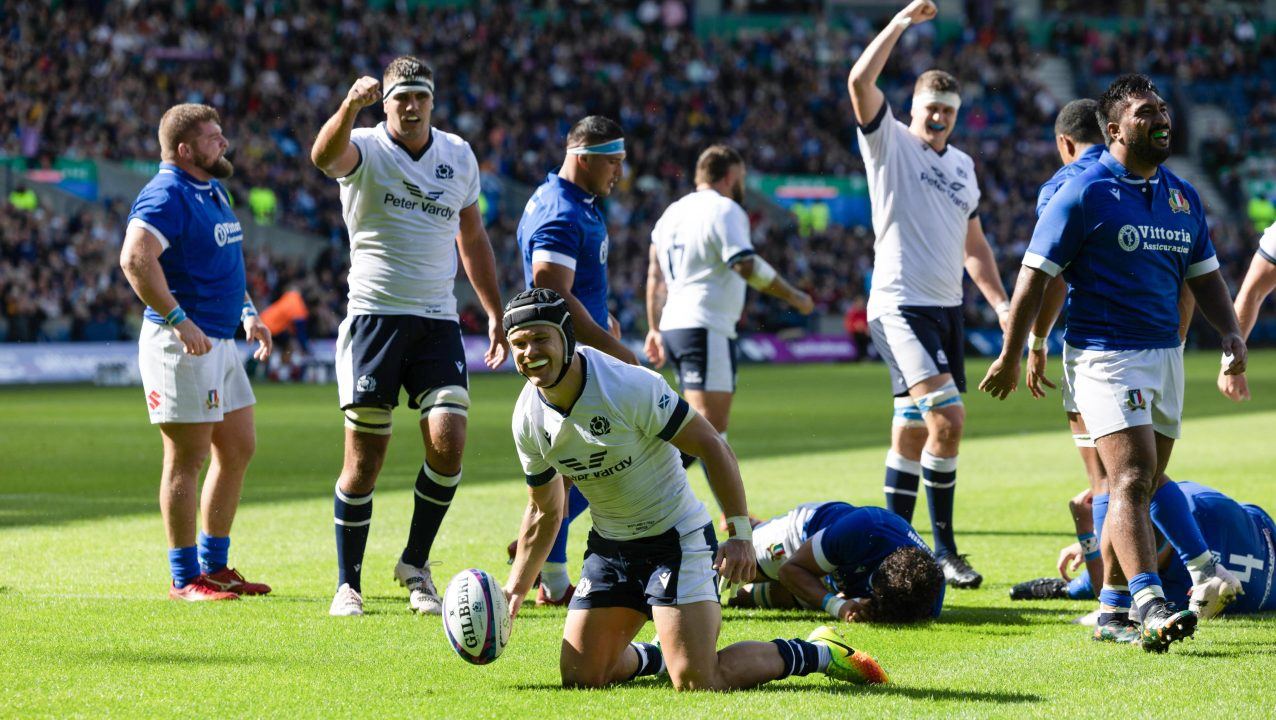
(919, 343)
(661, 570)
(704, 359)
(378, 354)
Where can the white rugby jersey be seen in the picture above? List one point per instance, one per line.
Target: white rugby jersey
(922, 202)
(403, 214)
(1267, 243)
(696, 240)
(614, 444)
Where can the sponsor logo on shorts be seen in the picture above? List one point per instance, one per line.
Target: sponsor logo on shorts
(366, 384)
(693, 377)
(154, 399)
(1134, 400)
(460, 366)
(664, 579)
(585, 586)
(599, 425)
(214, 401)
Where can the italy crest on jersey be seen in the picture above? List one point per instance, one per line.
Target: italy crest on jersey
(1178, 203)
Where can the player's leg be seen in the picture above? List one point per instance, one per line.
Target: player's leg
(234, 441)
(598, 648)
(908, 429)
(438, 384)
(186, 448)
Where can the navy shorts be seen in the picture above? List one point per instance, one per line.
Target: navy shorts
(378, 354)
(919, 343)
(704, 359)
(666, 569)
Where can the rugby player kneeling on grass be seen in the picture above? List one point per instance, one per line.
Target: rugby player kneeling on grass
(616, 430)
(860, 564)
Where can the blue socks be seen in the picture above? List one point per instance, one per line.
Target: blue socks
(352, 515)
(903, 476)
(576, 504)
(1171, 514)
(1114, 603)
(650, 660)
(212, 553)
(940, 476)
(1146, 590)
(801, 657)
(433, 496)
(183, 563)
(1100, 513)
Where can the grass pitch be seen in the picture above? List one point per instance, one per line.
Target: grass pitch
(86, 628)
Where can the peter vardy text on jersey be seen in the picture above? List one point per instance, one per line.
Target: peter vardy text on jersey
(427, 207)
(940, 182)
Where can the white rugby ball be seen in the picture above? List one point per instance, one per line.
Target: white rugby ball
(476, 617)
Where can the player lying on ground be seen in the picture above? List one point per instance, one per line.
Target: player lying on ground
(860, 564)
(615, 430)
(1242, 536)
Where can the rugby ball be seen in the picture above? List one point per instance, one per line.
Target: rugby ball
(476, 618)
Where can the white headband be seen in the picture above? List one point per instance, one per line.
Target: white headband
(413, 84)
(926, 97)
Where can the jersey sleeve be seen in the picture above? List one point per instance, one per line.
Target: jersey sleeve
(733, 227)
(475, 186)
(1202, 259)
(1267, 244)
(1047, 191)
(557, 241)
(360, 142)
(837, 544)
(878, 135)
(653, 407)
(161, 212)
(1060, 231)
(536, 467)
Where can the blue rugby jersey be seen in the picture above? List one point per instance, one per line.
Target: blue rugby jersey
(1241, 537)
(1066, 173)
(851, 542)
(203, 257)
(1124, 245)
(562, 224)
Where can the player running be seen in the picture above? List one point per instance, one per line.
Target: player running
(1258, 284)
(1127, 217)
(701, 260)
(615, 430)
(925, 200)
(409, 195)
(183, 255)
(1242, 535)
(860, 564)
(564, 244)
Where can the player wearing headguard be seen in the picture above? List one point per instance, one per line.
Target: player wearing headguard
(1258, 284)
(1128, 217)
(183, 256)
(925, 200)
(563, 240)
(409, 196)
(616, 430)
(859, 564)
(701, 260)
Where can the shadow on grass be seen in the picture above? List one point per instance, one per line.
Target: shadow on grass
(918, 693)
(964, 615)
(118, 656)
(103, 460)
(1017, 533)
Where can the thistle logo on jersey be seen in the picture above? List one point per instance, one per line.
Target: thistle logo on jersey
(1135, 400)
(1128, 238)
(443, 171)
(595, 461)
(227, 233)
(599, 425)
(1178, 203)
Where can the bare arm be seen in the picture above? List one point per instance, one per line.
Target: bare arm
(657, 292)
(559, 278)
(1051, 305)
(540, 527)
(866, 98)
(801, 575)
(475, 249)
(1003, 376)
(778, 288)
(982, 267)
(1258, 284)
(139, 259)
(1216, 305)
(333, 152)
(698, 438)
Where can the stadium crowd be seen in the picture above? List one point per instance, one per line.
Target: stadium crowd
(90, 81)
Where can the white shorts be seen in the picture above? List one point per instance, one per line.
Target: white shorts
(182, 388)
(1118, 389)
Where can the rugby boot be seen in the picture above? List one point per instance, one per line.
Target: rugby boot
(231, 580)
(958, 572)
(1164, 625)
(1040, 589)
(199, 590)
(847, 663)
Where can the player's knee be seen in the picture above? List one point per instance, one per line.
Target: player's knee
(369, 419)
(907, 414)
(446, 400)
(692, 679)
(583, 678)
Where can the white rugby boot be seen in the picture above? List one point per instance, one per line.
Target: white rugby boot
(346, 603)
(422, 596)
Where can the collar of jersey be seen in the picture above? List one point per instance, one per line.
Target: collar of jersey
(1123, 174)
(1092, 153)
(416, 157)
(571, 188)
(187, 177)
(584, 380)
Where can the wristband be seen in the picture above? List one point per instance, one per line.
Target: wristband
(903, 21)
(1089, 545)
(249, 310)
(176, 316)
(1035, 343)
(1228, 359)
(833, 605)
(738, 528)
(1002, 308)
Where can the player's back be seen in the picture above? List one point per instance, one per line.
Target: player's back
(1242, 537)
(403, 214)
(1066, 173)
(696, 239)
